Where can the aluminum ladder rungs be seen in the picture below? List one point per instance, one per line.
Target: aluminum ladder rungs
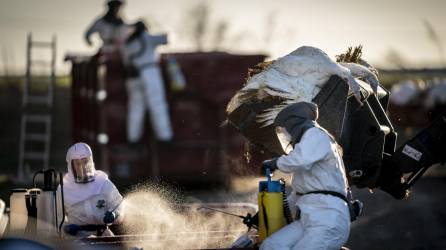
(42, 44)
(34, 156)
(37, 118)
(35, 137)
(41, 62)
(31, 118)
(37, 99)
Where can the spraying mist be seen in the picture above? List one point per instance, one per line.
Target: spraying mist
(168, 223)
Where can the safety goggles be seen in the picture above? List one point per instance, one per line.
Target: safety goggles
(285, 139)
(83, 170)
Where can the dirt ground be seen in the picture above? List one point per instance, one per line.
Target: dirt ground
(416, 223)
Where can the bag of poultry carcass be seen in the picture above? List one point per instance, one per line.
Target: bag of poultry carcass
(306, 74)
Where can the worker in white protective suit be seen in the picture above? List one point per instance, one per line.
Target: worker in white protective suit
(92, 202)
(145, 86)
(111, 28)
(319, 184)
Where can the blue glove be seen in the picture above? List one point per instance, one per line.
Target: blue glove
(71, 229)
(271, 164)
(109, 217)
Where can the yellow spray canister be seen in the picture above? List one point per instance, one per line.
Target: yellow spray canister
(271, 210)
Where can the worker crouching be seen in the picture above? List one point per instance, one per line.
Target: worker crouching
(92, 202)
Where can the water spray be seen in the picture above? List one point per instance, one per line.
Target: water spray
(119, 204)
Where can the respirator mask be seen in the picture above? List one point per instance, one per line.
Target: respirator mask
(285, 139)
(83, 169)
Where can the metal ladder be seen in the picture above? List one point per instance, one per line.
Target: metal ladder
(37, 109)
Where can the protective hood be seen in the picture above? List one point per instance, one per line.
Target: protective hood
(80, 163)
(296, 119)
(74, 191)
(112, 16)
(139, 28)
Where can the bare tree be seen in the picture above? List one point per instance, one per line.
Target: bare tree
(435, 39)
(220, 34)
(396, 58)
(5, 62)
(198, 17)
(270, 27)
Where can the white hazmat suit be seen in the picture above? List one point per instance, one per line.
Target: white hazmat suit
(110, 28)
(87, 203)
(111, 35)
(315, 164)
(146, 89)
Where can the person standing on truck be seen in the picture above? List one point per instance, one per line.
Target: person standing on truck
(91, 200)
(145, 86)
(319, 183)
(110, 27)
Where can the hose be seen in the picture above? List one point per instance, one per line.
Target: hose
(63, 202)
(286, 206)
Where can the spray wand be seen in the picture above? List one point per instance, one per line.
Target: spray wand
(248, 220)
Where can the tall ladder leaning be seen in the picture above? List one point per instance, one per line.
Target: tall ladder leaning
(37, 109)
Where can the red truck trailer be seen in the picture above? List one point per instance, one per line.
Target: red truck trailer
(202, 150)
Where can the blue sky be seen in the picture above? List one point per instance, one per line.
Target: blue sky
(253, 26)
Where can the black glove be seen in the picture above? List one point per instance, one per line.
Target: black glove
(251, 221)
(271, 164)
(109, 217)
(356, 209)
(131, 71)
(71, 229)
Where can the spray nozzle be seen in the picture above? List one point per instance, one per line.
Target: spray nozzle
(269, 174)
(251, 221)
